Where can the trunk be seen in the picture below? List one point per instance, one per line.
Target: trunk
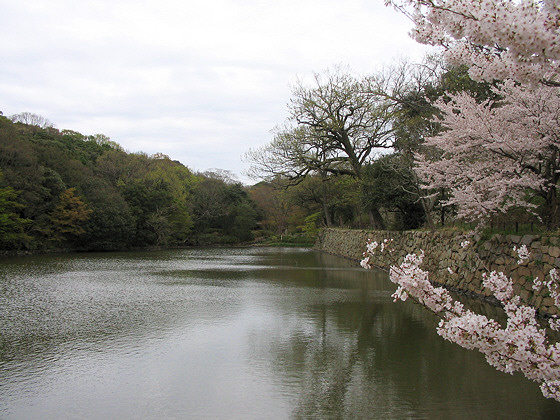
(553, 212)
(376, 220)
(427, 203)
(326, 212)
(327, 215)
(427, 213)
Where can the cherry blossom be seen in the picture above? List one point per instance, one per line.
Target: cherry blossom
(489, 154)
(521, 345)
(522, 252)
(496, 39)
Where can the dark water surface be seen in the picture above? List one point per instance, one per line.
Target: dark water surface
(251, 333)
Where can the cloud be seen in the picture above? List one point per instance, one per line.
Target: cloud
(201, 81)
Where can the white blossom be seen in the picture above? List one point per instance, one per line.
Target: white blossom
(496, 39)
(522, 345)
(523, 253)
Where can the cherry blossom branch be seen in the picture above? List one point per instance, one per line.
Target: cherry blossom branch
(522, 345)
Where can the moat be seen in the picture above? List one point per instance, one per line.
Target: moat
(232, 333)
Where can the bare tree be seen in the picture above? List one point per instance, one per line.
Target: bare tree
(32, 119)
(335, 126)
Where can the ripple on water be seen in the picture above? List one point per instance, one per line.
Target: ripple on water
(246, 333)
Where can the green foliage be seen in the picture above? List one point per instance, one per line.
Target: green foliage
(311, 226)
(111, 224)
(389, 184)
(68, 217)
(223, 210)
(12, 225)
(85, 192)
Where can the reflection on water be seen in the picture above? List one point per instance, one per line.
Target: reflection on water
(246, 333)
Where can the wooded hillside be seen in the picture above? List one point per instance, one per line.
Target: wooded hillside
(65, 190)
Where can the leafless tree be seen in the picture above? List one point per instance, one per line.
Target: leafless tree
(32, 119)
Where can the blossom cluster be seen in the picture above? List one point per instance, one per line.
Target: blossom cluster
(522, 253)
(522, 345)
(491, 155)
(371, 249)
(496, 39)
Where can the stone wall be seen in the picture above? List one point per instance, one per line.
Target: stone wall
(443, 250)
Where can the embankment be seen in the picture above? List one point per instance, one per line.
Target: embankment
(443, 251)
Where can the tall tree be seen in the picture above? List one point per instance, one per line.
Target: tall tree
(491, 154)
(69, 217)
(335, 126)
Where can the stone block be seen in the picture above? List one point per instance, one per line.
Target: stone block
(554, 251)
(529, 285)
(514, 239)
(523, 271)
(547, 259)
(525, 295)
(548, 301)
(537, 301)
(536, 245)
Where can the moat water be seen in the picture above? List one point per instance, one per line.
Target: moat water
(232, 333)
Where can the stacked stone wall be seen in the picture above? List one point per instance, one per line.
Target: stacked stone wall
(443, 251)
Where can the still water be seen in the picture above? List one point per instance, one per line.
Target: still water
(244, 333)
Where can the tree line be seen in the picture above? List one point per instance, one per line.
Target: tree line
(362, 149)
(60, 189)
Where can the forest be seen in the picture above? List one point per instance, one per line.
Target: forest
(61, 190)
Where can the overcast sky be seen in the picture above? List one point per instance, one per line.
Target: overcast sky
(201, 81)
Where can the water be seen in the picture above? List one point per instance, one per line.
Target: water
(244, 333)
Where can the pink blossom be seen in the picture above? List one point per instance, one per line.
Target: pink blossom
(523, 253)
(522, 345)
(496, 39)
(489, 155)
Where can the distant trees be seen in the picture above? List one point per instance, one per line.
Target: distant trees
(12, 225)
(68, 217)
(275, 204)
(224, 212)
(66, 190)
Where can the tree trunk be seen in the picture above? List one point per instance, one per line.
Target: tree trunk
(553, 210)
(427, 213)
(376, 220)
(327, 214)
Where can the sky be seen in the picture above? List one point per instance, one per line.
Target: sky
(200, 81)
